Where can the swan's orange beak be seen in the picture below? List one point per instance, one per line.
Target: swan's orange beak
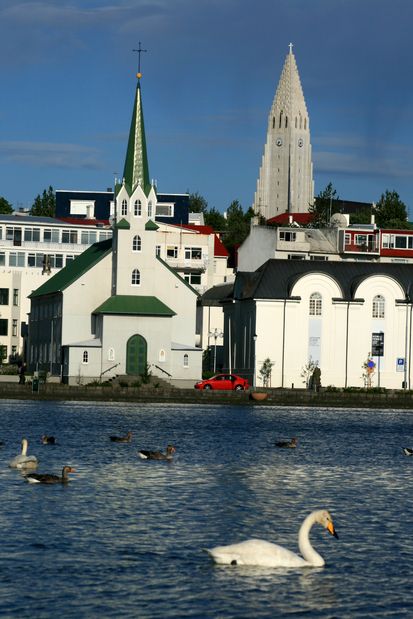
(331, 529)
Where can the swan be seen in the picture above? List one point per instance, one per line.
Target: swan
(22, 460)
(408, 451)
(265, 554)
(46, 478)
(158, 455)
(287, 444)
(122, 439)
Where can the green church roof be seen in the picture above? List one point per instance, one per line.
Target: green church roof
(136, 162)
(151, 225)
(123, 225)
(75, 269)
(134, 305)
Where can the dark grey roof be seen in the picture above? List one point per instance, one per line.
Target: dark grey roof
(25, 219)
(276, 278)
(221, 292)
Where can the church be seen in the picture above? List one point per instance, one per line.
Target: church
(119, 308)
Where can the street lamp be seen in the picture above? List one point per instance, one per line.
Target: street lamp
(254, 337)
(216, 333)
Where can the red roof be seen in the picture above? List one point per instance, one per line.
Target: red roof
(284, 218)
(219, 247)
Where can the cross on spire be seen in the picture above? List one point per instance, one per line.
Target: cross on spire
(139, 52)
(290, 46)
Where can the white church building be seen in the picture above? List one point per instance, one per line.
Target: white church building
(119, 308)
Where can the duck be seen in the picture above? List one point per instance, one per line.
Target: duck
(23, 460)
(265, 554)
(157, 455)
(47, 478)
(287, 444)
(48, 440)
(408, 451)
(122, 439)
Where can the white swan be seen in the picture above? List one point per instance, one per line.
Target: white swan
(23, 460)
(265, 554)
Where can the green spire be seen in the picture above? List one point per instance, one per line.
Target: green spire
(136, 162)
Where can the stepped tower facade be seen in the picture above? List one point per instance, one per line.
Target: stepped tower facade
(285, 182)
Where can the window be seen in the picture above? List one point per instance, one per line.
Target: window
(378, 306)
(88, 237)
(193, 278)
(315, 304)
(361, 239)
(165, 210)
(32, 234)
(287, 236)
(2, 259)
(3, 352)
(16, 259)
(171, 251)
(193, 253)
(50, 235)
(4, 326)
(85, 357)
(385, 240)
(14, 327)
(14, 234)
(186, 360)
(13, 351)
(111, 354)
(56, 262)
(157, 250)
(36, 260)
(105, 235)
(347, 239)
(69, 236)
(150, 208)
(137, 208)
(16, 297)
(69, 259)
(4, 296)
(319, 258)
(137, 243)
(136, 277)
(162, 355)
(124, 208)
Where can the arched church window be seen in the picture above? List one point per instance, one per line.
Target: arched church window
(150, 208)
(85, 357)
(124, 208)
(281, 119)
(378, 306)
(111, 354)
(305, 123)
(186, 360)
(162, 355)
(273, 122)
(286, 122)
(137, 208)
(136, 277)
(315, 304)
(136, 243)
(301, 122)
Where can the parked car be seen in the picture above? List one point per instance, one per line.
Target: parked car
(224, 381)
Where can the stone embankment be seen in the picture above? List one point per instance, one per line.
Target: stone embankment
(161, 391)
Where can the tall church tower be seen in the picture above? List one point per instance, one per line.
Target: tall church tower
(285, 182)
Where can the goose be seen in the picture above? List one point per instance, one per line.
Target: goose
(265, 554)
(287, 444)
(408, 451)
(158, 455)
(46, 478)
(122, 439)
(23, 460)
(48, 440)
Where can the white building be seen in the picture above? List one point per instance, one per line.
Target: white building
(119, 308)
(285, 182)
(328, 313)
(31, 250)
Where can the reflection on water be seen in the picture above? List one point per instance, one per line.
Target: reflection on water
(124, 538)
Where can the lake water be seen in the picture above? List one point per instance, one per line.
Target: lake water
(124, 538)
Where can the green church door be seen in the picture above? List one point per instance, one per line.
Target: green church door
(136, 355)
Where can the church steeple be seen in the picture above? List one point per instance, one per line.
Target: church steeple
(136, 163)
(285, 180)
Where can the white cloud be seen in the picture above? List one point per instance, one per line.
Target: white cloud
(47, 154)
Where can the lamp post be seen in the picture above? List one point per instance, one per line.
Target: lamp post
(216, 333)
(254, 337)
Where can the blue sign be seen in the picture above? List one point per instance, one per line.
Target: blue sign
(400, 364)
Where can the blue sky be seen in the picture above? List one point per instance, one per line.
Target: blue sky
(209, 77)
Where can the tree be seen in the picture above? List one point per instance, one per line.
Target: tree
(216, 220)
(325, 205)
(237, 225)
(390, 211)
(5, 207)
(197, 203)
(44, 205)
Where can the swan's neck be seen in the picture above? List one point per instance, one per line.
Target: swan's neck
(304, 544)
(24, 448)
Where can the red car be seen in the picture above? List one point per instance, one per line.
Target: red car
(224, 381)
